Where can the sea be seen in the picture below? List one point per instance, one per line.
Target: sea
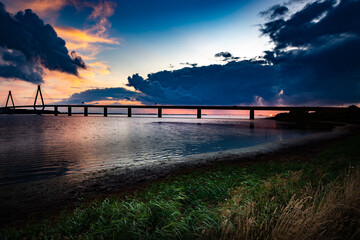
(36, 147)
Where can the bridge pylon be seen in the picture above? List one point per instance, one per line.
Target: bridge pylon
(10, 98)
(38, 92)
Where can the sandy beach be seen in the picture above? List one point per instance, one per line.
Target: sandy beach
(52, 195)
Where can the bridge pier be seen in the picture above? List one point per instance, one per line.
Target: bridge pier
(199, 113)
(85, 111)
(105, 111)
(252, 114)
(69, 111)
(55, 110)
(129, 112)
(159, 112)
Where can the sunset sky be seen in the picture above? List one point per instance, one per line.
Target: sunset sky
(203, 52)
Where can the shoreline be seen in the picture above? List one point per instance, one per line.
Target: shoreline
(24, 199)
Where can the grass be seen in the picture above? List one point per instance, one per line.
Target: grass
(317, 199)
(330, 211)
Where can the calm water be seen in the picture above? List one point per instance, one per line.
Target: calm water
(39, 147)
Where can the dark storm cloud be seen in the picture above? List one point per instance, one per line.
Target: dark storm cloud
(26, 33)
(15, 65)
(275, 11)
(223, 54)
(235, 82)
(323, 65)
(314, 61)
(226, 56)
(303, 28)
(78, 60)
(245, 82)
(91, 95)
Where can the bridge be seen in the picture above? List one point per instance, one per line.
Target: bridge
(54, 108)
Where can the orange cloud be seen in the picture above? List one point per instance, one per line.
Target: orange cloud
(89, 42)
(103, 9)
(82, 36)
(64, 81)
(44, 8)
(101, 12)
(96, 70)
(100, 67)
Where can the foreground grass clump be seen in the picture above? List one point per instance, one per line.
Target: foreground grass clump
(317, 199)
(331, 211)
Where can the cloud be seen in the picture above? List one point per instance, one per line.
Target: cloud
(77, 60)
(15, 66)
(100, 67)
(38, 43)
(245, 82)
(315, 50)
(82, 36)
(189, 64)
(233, 83)
(103, 9)
(275, 11)
(84, 41)
(101, 12)
(91, 95)
(91, 39)
(226, 56)
(44, 8)
(300, 29)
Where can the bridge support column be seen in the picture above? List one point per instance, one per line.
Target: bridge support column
(55, 110)
(159, 112)
(12, 100)
(129, 112)
(105, 111)
(69, 111)
(252, 114)
(85, 111)
(199, 113)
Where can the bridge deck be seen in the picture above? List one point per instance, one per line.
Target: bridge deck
(216, 107)
(252, 109)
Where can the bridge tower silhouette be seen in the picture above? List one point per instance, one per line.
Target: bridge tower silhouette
(10, 98)
(38, 92)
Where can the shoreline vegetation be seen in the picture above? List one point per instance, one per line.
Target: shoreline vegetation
(350, 114)
(312, 193)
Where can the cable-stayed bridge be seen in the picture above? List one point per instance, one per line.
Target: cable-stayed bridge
(39, 109)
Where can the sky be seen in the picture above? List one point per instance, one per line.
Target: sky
(198, 52)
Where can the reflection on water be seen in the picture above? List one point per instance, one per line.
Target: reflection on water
(38, 147)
